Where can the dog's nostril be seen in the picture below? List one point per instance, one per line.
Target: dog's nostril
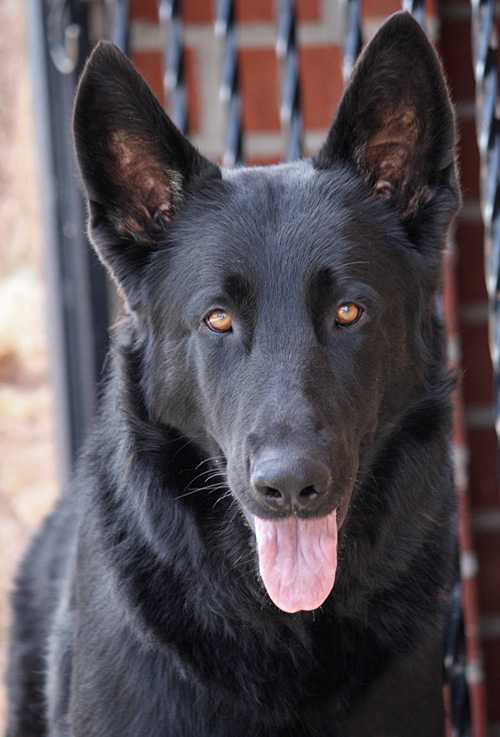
(309, 493)
(271, 493)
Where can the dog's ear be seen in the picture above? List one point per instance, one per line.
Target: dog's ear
(395, 123)
(135, 164)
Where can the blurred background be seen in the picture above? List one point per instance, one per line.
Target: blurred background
(254, 81)
(28, 476)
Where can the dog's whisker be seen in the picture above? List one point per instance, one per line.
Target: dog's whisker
(206, 489)
(185, 445)
(209, 460)
(214, 476)
(202, 474)
(224, 496)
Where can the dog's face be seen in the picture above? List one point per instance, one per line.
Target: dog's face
(297, 334)
(281, 308)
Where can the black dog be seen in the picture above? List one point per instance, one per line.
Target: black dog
(259, 540)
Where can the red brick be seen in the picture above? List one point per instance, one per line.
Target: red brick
(468, 159)
(307, 10)
(258, 11)
(472, 619)
(150, 65)
(450, 293)
(470, 271)
(262, 160)
(459, 429)
(464, 531)
(488, 552)
(479, 721)
(476, 362)
(197, 11)
(491, 649)
(192, 11)
(432, 8)
(483, 469)
(191, 76)
(259, 89)
(380, 8)
(144, 10)
(254, 11)
(455, 50)
(321, 84)
(383, 8)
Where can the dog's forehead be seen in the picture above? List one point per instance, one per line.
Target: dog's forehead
(289, 220)
(284, 192)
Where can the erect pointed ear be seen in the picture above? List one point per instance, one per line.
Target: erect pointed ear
(135, 164)
(395, 123)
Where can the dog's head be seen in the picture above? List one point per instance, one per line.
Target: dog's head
(287, 314)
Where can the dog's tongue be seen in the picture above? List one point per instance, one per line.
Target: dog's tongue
(298, 560)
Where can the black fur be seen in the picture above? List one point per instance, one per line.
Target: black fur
(140, 610)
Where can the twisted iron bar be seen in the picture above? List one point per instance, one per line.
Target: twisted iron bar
(229, 91)
(169, 13)
(416, 8)
(118, 14)
(286, 50)
(455, 664)
(485, 59)
(353, 36)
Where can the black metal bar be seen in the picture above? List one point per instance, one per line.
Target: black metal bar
(118, 13)
(455, 666)
(229, 91)
(353, 37)
(286, 49)
(174, 78)
(417, 9)
(78, 305)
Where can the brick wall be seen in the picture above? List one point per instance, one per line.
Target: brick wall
(320, 37)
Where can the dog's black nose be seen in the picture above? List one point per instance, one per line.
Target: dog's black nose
(290, 482)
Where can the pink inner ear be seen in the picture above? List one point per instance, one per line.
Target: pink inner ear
(389, 150)
(148, 188)
(388, 163)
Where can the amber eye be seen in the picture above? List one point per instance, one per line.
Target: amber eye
(347, 314)
(218, 321)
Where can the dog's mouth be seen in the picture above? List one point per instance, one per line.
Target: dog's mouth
(298, 558)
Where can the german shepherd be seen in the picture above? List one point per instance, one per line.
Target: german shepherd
(258, 541)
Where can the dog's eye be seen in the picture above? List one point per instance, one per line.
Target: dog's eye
(218, 321)
(347, 314)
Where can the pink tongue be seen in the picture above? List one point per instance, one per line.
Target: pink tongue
(298, 560)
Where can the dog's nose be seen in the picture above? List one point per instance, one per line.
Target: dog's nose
(290, 482)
